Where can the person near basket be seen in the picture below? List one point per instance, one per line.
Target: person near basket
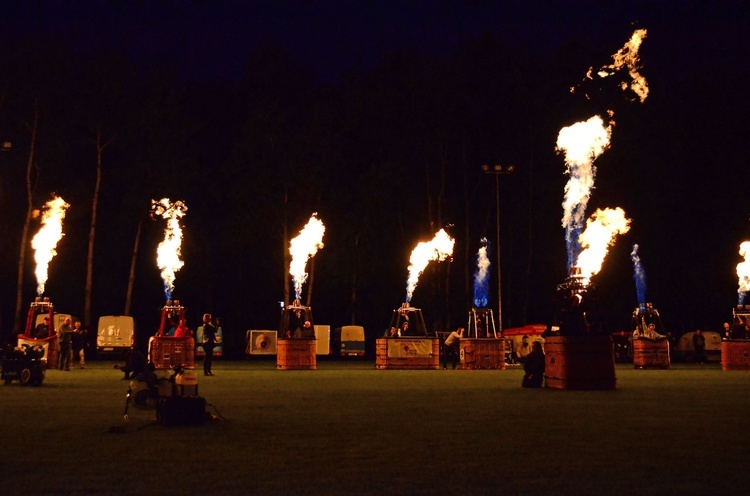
(533, 367)
(452, 348)
(209, 341)
(65, 336)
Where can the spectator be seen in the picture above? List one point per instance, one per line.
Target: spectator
(533, 367)
(65, 337)
(135, 363)
(209, 340)
(699, 345)
(80, 342)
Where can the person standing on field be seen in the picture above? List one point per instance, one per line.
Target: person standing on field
(209, 340)
(80, 342)
(65, 337)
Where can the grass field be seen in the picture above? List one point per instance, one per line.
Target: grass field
(347, 428)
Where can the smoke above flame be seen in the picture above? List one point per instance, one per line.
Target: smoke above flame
(639, 274)
(599, 235)
(743, 272)
(440, 248)
(169, 251)
(302, 248)
(45, 241)
(481, 276)
(581, 143)
(628, 58)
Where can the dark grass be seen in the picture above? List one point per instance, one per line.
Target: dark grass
(347, 428)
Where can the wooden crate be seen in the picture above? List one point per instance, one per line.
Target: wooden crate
(387, 358)
(484, 353)
(381, 353)
(168, 352)
(53, 353)
(735, 354)
(651, 353)
(579, 362)
(296, 354)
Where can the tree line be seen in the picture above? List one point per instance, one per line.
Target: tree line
(385, 157)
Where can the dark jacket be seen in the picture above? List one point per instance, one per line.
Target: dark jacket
(533, 367)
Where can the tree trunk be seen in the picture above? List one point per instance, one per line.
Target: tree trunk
(468, 286)
(133, 259)
(26, 224)
(92, 231)
(354, 280)
(530, 240)
(285, 243)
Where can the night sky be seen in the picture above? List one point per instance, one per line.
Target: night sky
(677, 162)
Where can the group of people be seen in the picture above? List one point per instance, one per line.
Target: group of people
(136, 362)
(740, 329)
(304, 331)
(72, 338)
(533, 361)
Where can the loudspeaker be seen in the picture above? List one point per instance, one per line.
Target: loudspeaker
(181, 411)
(261, 342)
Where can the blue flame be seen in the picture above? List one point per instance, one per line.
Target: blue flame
(639, 275)
(481, 276)
(741, 300)
(573, 245)
(167, 292)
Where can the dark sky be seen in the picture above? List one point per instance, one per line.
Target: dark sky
(211, 39)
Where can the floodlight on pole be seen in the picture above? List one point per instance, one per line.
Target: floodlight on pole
(497, 170)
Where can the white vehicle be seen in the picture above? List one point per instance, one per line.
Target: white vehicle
(350, 341)
(322, 339)
(713, 346)
(115, 335)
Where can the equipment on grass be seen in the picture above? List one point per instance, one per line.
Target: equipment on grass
(24, 364)
(175, 398)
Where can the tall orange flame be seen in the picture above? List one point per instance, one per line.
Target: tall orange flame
(45, 241)
(438, 249)
(304, 246)
(169, 251)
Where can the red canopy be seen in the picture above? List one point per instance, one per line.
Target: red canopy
(528, 330)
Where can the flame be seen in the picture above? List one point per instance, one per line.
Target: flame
(304, 246)
(743, 271)
(169, 251)
(639, 275)
(438, 249)
(599, 235)
(581, 143)
(46, 239)
(481, 276)
(626, 57)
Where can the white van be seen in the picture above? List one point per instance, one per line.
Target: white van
(351, 341)
(115, 334)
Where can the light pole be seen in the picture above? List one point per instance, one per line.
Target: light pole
(496, 170)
